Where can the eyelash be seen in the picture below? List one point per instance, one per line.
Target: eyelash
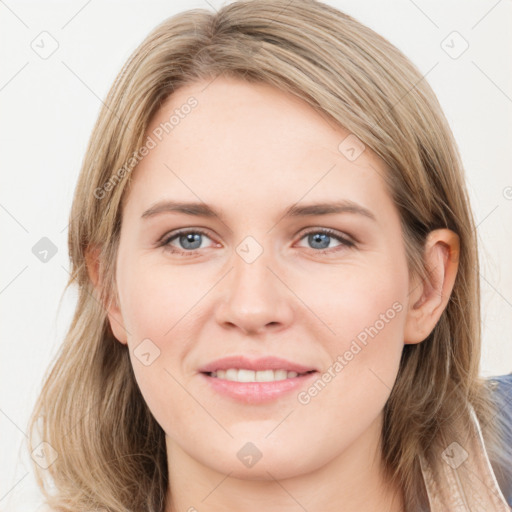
(165, 242)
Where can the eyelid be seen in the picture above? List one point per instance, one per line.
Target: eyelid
(345, 240)
(170, 235)
(340, 235)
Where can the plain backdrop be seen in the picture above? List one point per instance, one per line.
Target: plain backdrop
(49, 104)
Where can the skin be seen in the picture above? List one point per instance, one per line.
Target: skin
(251, 151)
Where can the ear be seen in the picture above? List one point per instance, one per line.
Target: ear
(93, 262)
(429, 298)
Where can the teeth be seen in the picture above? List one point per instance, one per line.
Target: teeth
(243, 375)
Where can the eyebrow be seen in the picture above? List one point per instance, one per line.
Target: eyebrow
(295, 210)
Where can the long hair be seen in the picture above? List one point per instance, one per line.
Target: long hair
(111, 451)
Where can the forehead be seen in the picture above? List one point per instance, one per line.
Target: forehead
(241, 138)
(236, 118)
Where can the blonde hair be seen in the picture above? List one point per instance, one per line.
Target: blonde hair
(111, 450)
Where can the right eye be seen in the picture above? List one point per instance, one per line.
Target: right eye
(319, 236)
(189, 239)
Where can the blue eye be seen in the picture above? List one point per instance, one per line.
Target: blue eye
(190, 241)
(321, 238)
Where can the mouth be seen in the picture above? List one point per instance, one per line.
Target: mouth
(251, 381)
(241, 366)
(247, 375)
(242, 385)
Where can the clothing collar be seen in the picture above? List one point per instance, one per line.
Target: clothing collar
(463, 479)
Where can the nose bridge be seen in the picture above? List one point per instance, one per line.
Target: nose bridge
(251, 268)
(254, 297)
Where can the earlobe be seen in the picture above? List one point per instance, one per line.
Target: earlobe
(429, 298)
(92, 258)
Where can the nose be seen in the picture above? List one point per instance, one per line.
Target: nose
(254, 297)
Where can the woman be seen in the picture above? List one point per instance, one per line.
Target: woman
(278, 284)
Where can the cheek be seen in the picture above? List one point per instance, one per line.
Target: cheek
(371, 312)
(356, 300)
(155, 297)
(364, 357)
(156, 308)
(365, 311)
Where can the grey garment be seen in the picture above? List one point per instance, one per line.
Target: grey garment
(504, 396)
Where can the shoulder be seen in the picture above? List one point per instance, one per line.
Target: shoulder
(502, 385)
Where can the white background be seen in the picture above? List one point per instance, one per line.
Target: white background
(48, 109)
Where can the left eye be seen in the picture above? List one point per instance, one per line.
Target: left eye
(190, 240)
(321, 238)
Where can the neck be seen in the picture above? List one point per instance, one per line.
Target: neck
(352, 481)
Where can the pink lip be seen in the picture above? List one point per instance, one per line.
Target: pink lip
(258, 392)
(263, 363)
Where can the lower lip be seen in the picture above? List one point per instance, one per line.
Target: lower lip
(258, 392)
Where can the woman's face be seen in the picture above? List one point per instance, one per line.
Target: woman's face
(269, 276)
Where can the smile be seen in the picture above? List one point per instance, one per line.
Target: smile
(244, 375)
(251, 391)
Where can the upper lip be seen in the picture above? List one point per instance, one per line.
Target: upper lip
(262, 363)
